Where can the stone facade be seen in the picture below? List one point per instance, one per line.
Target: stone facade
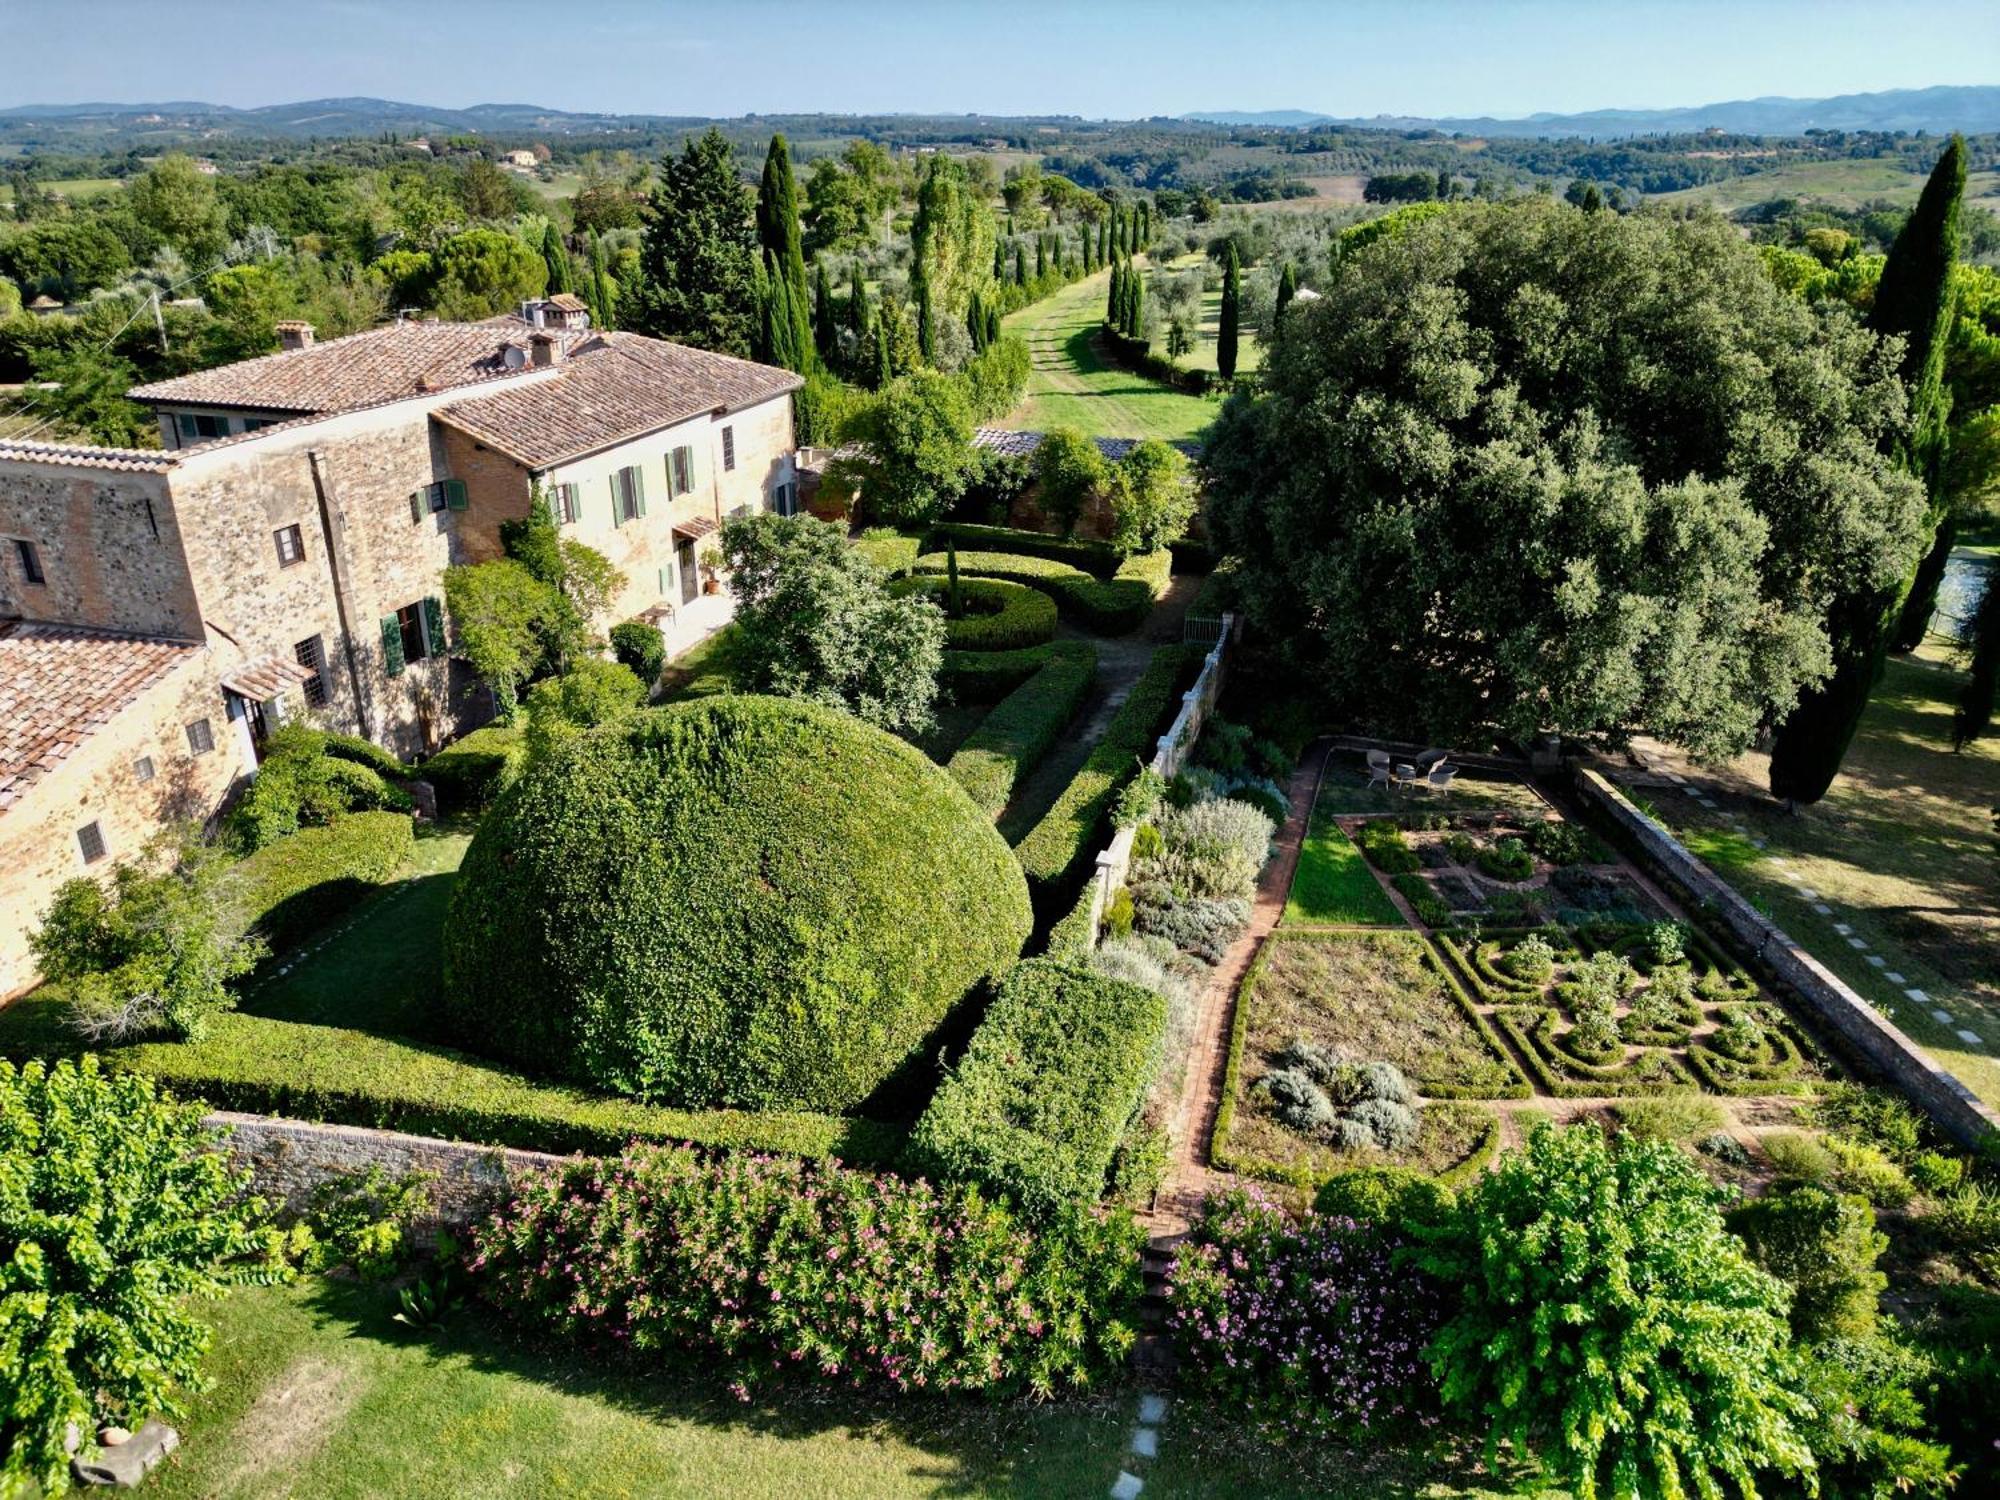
(100, 783)
(109, 549)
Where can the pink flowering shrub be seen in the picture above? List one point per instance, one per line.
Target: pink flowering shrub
(1311, 1329)
(778, 1265)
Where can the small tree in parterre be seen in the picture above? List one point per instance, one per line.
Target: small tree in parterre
(1231, 316)
(1152, 497)
(117, 1212)
(154, 950)
(814, 621)
(1609, 1322)
(915, 453)
(1069, 470)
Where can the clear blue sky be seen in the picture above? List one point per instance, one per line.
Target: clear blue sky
(1099, 58)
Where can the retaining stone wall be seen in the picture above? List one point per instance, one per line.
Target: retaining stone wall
(1868, 1033)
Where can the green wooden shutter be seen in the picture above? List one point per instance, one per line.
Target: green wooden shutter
(663, 583)
(416, 506)
(392, 646)
(454, 494)
(618, 498)
(434, 625)
(638, 490)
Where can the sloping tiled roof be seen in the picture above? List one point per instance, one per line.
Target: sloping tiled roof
(613, 388)
(59, 684)
(362, 369)
(128, 460)
(1014, 444)
(266, 677)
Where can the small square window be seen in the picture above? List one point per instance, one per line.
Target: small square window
(90, 839)
(201, 739)
(564, 505)
(728, 449)
(311, 654)
(30, 559)
(291, 546)
(143, 768)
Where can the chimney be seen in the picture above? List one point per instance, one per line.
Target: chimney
(295, 335)
(534, 312)
(545, 349)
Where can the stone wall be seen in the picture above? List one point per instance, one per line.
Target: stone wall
(1864, 1030)
(289, 1158)
(109, 550)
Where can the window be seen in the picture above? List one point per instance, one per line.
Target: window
(144, 769)
(728, 449)
(446, 494)
(311, 654)
(291, 546)
(199, 427)
(31, 560)
(628, 496)
(251, 424)
(90, 839)
(565, 505)
(785, 498)
(200, 739)
(412, 633)
(680, 470)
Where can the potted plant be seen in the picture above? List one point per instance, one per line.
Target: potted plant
(711, 569)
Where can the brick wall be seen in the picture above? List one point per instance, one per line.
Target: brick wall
(1865, 1031)
(108, 547)
(98, 783)
(290, 1158)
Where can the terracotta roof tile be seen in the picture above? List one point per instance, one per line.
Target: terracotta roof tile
(1013, 444)
(361, 369)
(128, 460)
(614, 387)
(59, 684)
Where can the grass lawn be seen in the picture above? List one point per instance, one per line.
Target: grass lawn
(1900, 852)
(1249, 352)
(1334, 886)
(1073, 384)
(703, 671)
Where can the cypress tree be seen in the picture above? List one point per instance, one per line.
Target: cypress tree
(1288, 288)
(1041, 258)
(975, 323)
(884, 372)
(1444, 183)
(925, 343)
(778, 232)
(603, 299)
(1232, 313)
(857, 305)
(1103, 241)
(999, 258)
(1914, 298)
(1974, 715)
(1114, 298)
(1135, 305)
(993, 324)
(826, 339)
(557, 260)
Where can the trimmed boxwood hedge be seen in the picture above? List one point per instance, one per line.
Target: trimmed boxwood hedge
(1070, 830)
(1011, 740)
(1036, 1107)
(989, 676)
(474, 769)
(742, 901)
(1108, 607)
(1070, 938)
(1000, 616)
(301, 882)
(1093, 557)
(890, 550)
(266, 1066)
(366, 752)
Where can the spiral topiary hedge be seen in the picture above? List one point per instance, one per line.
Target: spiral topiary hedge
(999, 616)
(738, 901)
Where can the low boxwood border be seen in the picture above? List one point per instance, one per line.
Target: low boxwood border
(1012, 739)
(1115, 606)
(1002, 616)
(1723, 1074)
(475, 768)
(1532, 1028)
(989, 676)
(1093, 557)
(265, 1066)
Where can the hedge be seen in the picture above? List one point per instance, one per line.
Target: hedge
(301, 882)
(1072, 828)
(739, 901)
(1070, 938)
(989, 676)
(1000, 616)
(471, 771)
(890, 550)
(1137, 355)
(1100, 558)
(1109, 607)
(1013, 738)
(1036, 1107)
(266, 1066)
(353, 747)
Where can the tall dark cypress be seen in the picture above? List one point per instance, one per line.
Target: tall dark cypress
(825, 322)
(1103, 240)
(1914, 299)
(603, 299)
(1288, 288)
(1135, 304)
(1232, 314)
(778, 232)
(975, 323)
(556, 258)
(1975, 701)
(993, 324)
(1114, 300)
(1041, 258)
(857, 305)
(926, 343)
(999, 258)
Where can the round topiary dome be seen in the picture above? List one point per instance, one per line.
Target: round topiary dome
(745, 901)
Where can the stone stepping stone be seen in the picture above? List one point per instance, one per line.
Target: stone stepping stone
(1876, 960)
(1146, 1442)
(1858, 944)
(1943, 1016)
(1822, 908)
(1843, 929)
(1970, 1038)
(1152, 1408)
(1755, 842)
(1919, 996)
(1893, 977)
(1808, 893)
(1126, 1486)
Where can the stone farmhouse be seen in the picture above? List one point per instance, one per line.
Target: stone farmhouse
(281, 556)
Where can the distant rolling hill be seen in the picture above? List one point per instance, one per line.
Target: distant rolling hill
(1971, 108)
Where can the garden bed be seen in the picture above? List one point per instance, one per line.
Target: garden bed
(1333, 885)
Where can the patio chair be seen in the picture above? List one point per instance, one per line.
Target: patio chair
(1378, 775)
(1441, 775)
(1430, 760)
(1407, 774)
(1378, 758)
